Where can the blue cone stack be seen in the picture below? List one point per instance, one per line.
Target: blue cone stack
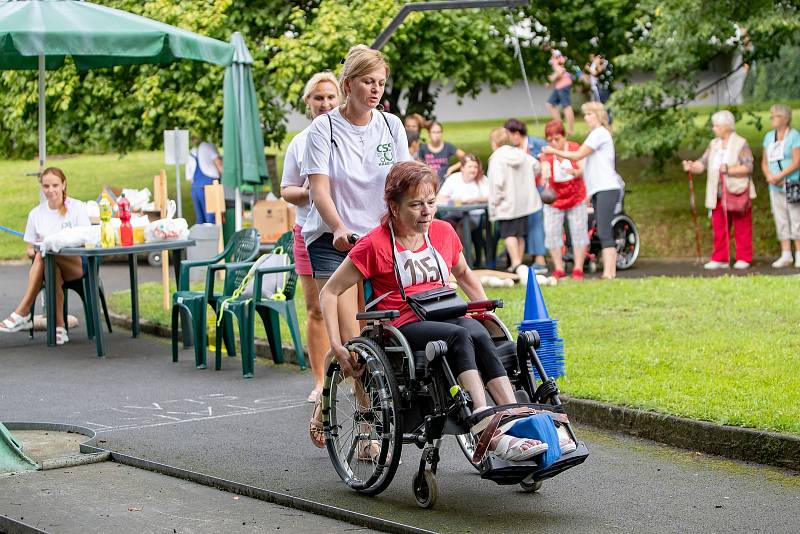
(551, 350)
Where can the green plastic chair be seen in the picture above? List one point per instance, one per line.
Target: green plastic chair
(244, 310)
(242, 247)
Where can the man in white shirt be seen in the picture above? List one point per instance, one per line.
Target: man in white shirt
(204, 166)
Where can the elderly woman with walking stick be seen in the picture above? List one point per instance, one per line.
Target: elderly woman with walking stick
(728, 161)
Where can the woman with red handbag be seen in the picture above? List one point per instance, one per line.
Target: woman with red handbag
(728, 161)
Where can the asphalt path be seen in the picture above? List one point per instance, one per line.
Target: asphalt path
(255, 432)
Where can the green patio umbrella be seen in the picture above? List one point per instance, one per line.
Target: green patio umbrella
(40, 34)
(244, 161)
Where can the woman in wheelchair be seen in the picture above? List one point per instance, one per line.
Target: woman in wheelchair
(411, 252)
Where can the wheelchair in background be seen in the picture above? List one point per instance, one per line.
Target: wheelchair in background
(411, 397)
(626, 239)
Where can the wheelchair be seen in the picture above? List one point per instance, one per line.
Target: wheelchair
(626, 240)
(411, 397)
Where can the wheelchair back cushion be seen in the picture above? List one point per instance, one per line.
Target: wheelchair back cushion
(539, 426)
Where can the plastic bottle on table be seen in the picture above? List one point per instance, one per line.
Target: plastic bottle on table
(107, 234)
(125, 230)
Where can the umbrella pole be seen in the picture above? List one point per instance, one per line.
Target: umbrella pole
(42, 155)
(238, 209)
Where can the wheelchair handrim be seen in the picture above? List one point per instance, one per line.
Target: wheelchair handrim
(380, 422)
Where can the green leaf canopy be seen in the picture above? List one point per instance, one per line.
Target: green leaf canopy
(95, 36)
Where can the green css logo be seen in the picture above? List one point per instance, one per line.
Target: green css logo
(385, 155)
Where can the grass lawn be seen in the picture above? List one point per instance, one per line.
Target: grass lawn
(659, 204)
(721, 349)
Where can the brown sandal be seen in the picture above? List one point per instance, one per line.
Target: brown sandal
(315, 429)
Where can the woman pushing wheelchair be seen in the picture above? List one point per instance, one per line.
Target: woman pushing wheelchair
(408, 253)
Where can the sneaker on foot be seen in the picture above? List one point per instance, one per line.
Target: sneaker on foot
(61, 335)
(577, 274)
(559, 274)
(15, 323)
(712, 265)
(783, 261)
(539, 268)
(741, 265)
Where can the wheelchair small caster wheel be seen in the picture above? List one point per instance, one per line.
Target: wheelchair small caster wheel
(531, 487)
(425, 489)
(154, 259)
(592, 267)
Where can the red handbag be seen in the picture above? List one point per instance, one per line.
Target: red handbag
(735, 203)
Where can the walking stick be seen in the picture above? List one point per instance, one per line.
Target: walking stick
(694, 220)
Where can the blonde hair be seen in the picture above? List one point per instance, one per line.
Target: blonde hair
(598, 109)
(314, 81)
(724, 118)
(500, 137)
(361, 60)
(783, 110)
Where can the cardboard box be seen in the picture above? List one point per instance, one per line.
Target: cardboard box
(272, 218)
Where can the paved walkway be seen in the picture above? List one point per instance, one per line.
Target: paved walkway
(111, 497)
(254, 431)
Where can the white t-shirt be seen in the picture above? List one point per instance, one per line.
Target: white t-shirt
(292, 164)
(599, 171)
(206, 153)
(42, 221)
(357, 163)
(455, 188)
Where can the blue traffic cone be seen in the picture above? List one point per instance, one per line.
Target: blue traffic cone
(535, 309)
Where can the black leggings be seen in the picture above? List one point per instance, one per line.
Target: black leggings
(469, 345)
(605, 207)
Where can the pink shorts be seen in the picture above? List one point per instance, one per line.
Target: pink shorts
(301, 262)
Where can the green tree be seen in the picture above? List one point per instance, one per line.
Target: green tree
(777, 79)
(464, 48)
(128, 107)
(674, 40)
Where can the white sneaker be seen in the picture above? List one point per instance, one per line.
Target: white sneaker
(61, 335)
(15, 323)
(741, 265)
(783, 261)
(713, 265)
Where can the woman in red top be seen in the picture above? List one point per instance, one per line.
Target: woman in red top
(425, 252)
(565, 178)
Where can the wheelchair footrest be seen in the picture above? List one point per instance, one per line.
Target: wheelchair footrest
(505, 473)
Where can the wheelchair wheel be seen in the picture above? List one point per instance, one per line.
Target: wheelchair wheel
(626, 237)
(360, 416)
(426, 490)
(531, 487)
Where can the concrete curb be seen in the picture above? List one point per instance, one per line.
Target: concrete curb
(737, 443)
(771, 448)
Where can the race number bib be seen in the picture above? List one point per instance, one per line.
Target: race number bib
(421, 267)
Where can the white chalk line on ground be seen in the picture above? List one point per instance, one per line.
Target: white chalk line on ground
(197, 419)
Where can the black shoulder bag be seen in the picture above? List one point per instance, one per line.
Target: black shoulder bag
(437, 304)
